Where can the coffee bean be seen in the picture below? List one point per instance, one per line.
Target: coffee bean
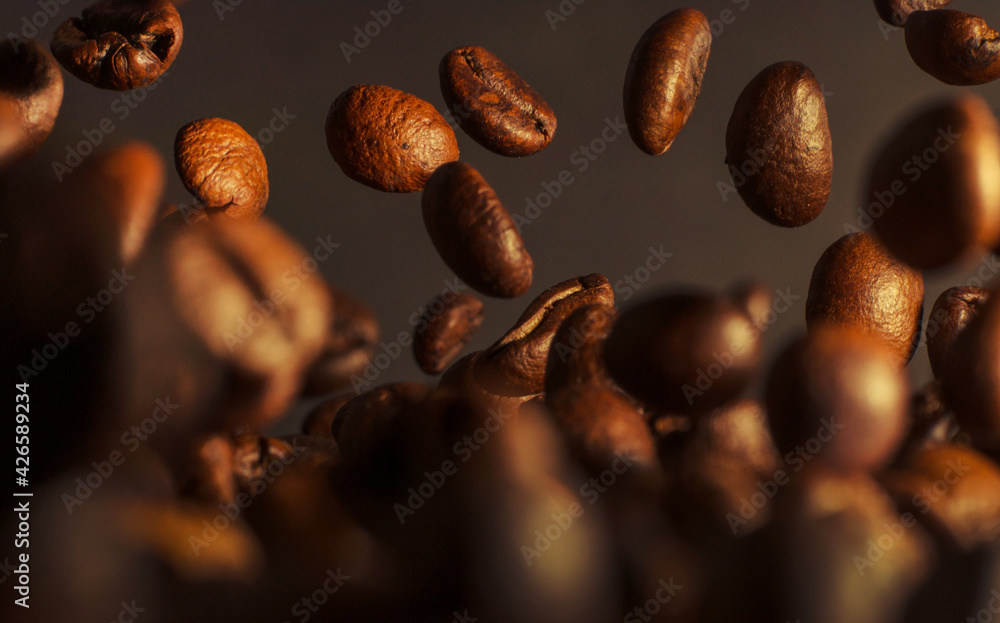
(857, 282)
(935, 180)
(664, 77)
(319, 421)
(440, 338)
(954, 47)
(684, 352)
(31, 88)
(756, 299)
(576, 355)
(778, 145)
(461, 377)
(120, 45)
(388, 139)
(953, 310)
(350, 345)
(223, 167)
(494, 106)
(836, 397)
(368, 423)
(474, 233)
(896, 12)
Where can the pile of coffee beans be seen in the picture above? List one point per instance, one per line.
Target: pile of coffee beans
(592, 464)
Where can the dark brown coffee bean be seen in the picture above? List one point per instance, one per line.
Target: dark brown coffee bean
(954, 47)
(223, 167)
(953, 206)
(778, 145)
(685, 352)
(31, 88)
(931, 421)
(896, 12)
(367, 422)
(319, 420)
(576, 356)
(474, 233)
(664, 77)
(120, 45)
(857, 282)
(952, 312)
(837, 396)
(461, 377)
(350, 346)
(494, 106)
(453, 321)
(388, 139)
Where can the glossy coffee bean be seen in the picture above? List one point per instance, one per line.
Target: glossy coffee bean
(778, 145)
(494, 105)
(31, 87)
(350, 345)
(953, 310)
(684, 352)
(452, 323)
(481, 388)
(388, 139)
(319, 421)
(954, 47)
(836, 397)
(896, 12)
(953, 206)
(857, 282)
(120, 45)
(664, 77)
(473, 232)
(223, 167)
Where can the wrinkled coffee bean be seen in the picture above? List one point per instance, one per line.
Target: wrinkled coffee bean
(473, 232)
(120, 45)
(685, 352)
(664, 77)
(350, 346)
(31, 87)
(778, 145)
(954, 47)
(223, 167)
(494, 106)
(896, 12)
(437, 340)
(857, 282)
(952, 312)
(950, 206)
(836, 397)
(319, 421)
(388, 139)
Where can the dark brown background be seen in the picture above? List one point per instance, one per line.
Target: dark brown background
(286, 55)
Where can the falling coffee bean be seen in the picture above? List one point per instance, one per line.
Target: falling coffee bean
(954, 47)
(31, 85)
(778, 145)
(474, 233)
(494, 106)
(896, 12)
(952, 312)
(438, 339)
(350, 346)
(388, 139)
(664, 77)
(319, 421)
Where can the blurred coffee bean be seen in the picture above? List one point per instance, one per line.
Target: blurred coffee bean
(120, 45)
(474, 233)
(932, 186)
(756, 299)
(493, 104)
(452, 323)
(462, 377)
(350, 345)
(953, 310)
(223, 167)
(858, 283)
(778, 145)
(931, 421)
(319, 420)
(31, 89)
(387, 139)
(896, 12)
(664, 77)
(836, 397)
(954, 47)
(367, 422)
(684, 352)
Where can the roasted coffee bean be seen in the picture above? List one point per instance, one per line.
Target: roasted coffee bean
(388, 139)
(896, 12)
(120, 45)
(576, 356)
(473, 232)
(778, 145)
(836, 397)
(452, 324)
(954, 47)
(31, 87)
(366, 423)
(931, 421)
(664, 77)
(857, 282)
(948, 207)
(350, 346)
(952, 312)
(461, 377)
(756, 299)
(494, 106)
(684, 352)
(319, 420)
(223, 167)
